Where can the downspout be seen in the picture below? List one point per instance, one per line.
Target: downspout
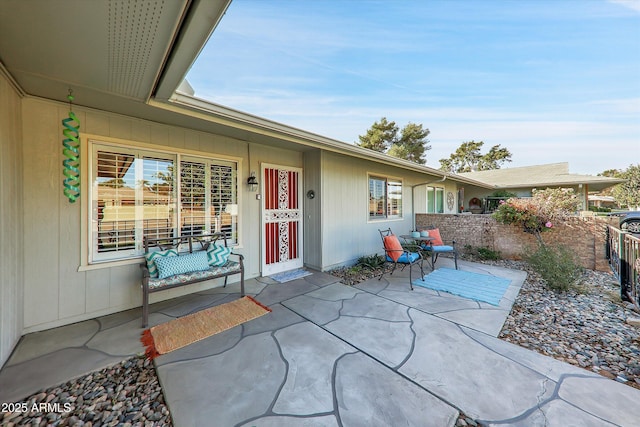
(413, 187)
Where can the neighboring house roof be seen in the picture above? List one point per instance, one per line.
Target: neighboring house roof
(604, 199)
(550, 175)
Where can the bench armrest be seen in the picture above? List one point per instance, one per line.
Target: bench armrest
(145, 269)
(238, 255)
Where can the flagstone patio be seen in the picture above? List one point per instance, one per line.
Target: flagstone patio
(376, 354)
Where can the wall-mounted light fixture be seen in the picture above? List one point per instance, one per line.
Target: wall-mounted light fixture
(252, 182)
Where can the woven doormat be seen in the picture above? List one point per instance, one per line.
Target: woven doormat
(178, 333)
(288, 276)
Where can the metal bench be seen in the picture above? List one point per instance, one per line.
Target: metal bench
(186, 244)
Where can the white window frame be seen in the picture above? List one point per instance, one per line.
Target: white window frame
(92, 145)
(440, 195)
(435, 199)
(389, 183)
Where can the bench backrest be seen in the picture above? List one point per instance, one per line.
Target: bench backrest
(198, 242)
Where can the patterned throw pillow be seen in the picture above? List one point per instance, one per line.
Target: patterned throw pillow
(150, 257)
(218, 255)
(172, 265)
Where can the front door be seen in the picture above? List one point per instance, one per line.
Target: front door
(281, 219)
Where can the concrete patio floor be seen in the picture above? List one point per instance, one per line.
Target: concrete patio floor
(376, 354)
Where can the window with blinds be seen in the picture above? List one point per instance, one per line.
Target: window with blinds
(223, 199)
(385, 198)
(194, 218)
(208, 200)
(138, 193)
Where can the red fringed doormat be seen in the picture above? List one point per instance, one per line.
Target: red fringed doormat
(169, 336)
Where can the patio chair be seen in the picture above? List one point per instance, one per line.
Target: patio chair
(437, 247)
(396, 254)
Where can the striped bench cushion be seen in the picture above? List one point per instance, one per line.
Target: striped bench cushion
(195, 276)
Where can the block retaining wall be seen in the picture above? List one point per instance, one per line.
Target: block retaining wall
(585, 236)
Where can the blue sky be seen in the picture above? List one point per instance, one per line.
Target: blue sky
(550, 80)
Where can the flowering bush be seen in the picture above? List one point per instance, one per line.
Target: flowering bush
(521, 212)
(540, 212)
(557, 265)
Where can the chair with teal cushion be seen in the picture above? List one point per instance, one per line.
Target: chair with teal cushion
(395, 253)
(436, 247)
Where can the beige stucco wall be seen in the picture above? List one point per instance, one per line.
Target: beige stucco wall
(11, 227)
(347, 232)
(59, 288)
(420, 193)
(312, 209)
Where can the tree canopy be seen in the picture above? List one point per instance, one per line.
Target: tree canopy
(628, 193)
(468, 158)
(410, 143)
(611, 173)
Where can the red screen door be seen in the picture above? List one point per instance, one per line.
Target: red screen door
(281, 219)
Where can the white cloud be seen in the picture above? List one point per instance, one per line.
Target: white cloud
(629, 106)
(631, 4)
(589, 147)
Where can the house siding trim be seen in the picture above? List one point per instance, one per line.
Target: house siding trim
(11, 217)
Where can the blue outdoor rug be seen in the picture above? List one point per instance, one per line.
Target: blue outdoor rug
(478, 287)
(287, 276)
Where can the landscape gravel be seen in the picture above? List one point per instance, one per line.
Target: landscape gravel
(127, 394)
(589, 327)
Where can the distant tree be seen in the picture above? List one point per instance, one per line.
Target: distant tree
(611, 173)
(628, 193)
(468, 158)
(410, 144)
(113, 182)
(380, 136)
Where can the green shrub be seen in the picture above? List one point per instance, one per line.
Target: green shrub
(504, 194)
(599, 209)
(371, 262)
(488, 254)
(482, 253)
(557, 265)
(355, 269)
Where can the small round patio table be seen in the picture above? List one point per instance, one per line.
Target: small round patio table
(425, 239)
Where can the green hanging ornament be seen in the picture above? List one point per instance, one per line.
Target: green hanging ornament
(71, 153)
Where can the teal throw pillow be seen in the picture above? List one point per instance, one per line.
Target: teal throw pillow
(170, 266)
(150, 257)
(218, 255)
